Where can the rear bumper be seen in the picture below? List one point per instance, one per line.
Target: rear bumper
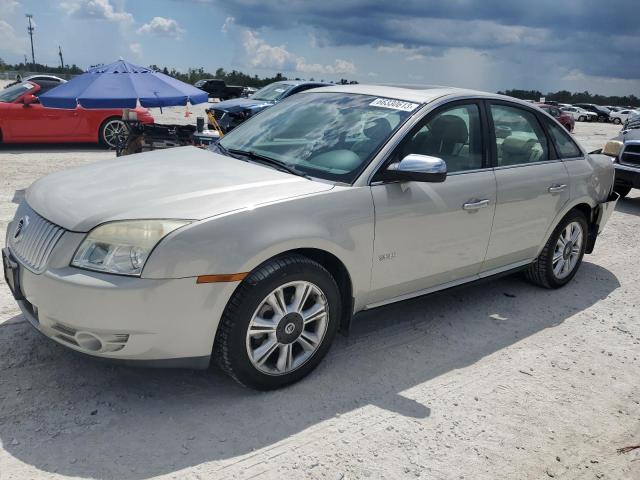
(605, 209)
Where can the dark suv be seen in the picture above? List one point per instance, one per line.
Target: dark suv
(602, 112)
(219, 89)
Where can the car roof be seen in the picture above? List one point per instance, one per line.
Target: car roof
(51, 78)
(413, 93)
(295, 83)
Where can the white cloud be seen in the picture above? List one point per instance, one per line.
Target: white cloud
(276, 57)
(136, 49)
(228, 24)
(162, 27)
(10, 41)
(8, 6)
(95, 9)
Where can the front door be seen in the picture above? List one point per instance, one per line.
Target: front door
(429, 234)
(36, 123)
(533, 186)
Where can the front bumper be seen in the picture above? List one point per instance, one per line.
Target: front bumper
(627, 175)
(168, 322)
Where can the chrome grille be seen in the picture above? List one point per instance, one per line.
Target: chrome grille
(32, 238)
(631, 155)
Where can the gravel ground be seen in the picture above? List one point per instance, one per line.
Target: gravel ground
(499, 380)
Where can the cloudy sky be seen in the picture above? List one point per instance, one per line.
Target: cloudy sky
(485, 44)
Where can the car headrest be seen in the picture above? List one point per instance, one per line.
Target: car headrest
(449, 129)
(377, 129)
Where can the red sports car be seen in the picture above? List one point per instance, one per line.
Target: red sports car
(24, 120)
(564, 118)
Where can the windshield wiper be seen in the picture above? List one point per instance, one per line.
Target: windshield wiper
(269, 161)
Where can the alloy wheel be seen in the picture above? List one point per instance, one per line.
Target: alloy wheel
(567, 251)
(287, 328)
(114, 133)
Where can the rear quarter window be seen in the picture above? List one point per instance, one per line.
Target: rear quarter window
(565, 145)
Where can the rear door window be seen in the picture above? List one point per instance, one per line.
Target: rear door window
(519, 137)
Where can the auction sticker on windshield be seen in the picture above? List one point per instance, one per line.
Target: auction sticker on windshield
(394, 104)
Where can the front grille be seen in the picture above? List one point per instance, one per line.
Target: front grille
(32, 238)
(631, 155)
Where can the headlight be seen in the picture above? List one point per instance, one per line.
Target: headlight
(123, 247)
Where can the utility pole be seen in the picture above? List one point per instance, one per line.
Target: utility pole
(30, 29)
(60, 54)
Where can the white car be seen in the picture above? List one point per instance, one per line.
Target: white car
(621, 116)
(333, 201)
(580, 114)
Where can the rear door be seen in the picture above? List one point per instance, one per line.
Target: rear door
(533, 185)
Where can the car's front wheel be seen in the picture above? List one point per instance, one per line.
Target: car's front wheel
(562, 255)
(617, 121)
(279, 323)
(581, 118)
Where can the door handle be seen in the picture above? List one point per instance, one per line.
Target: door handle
(475, 205)
(557, 188)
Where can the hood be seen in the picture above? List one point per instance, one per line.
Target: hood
(240, 104)
(185, 183)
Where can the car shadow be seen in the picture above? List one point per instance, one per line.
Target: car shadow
(22, 148)
(72, 415)
(629, 205)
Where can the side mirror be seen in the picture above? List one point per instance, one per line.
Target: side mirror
(612, 148)
(417, 168)
(29, 99)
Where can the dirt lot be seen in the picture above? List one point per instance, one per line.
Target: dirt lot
(500, 380)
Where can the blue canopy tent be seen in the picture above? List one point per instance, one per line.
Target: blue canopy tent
(122, 85)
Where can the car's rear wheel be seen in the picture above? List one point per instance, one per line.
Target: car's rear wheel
(617, 121)
(622, 190)
(581, 118)
(562, 255)
(113, 132)
(279, 323)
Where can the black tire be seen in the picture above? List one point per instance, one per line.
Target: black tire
(617, 121)
(581, 118)
(102, 134)
(622, 190)
(540, 272)
(230, 347)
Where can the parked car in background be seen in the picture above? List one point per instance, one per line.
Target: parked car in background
(602, 112)
(51, 80)
(248, 91)
(232, 113)
(24, 120)
(625, 149)
(331, 202)
(219, 89)
(580, 114)
(566, 119)
(621, 116)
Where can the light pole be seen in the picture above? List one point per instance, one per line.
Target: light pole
(30, 29)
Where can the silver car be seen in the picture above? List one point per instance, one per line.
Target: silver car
(334, 201)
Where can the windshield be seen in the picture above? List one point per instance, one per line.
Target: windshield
(12, 93)
(272, 92)
(326, 135)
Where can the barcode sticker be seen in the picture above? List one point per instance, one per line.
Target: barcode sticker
(394, 104)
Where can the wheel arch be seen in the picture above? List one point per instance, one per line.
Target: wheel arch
(583, 206)
(336, 267)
